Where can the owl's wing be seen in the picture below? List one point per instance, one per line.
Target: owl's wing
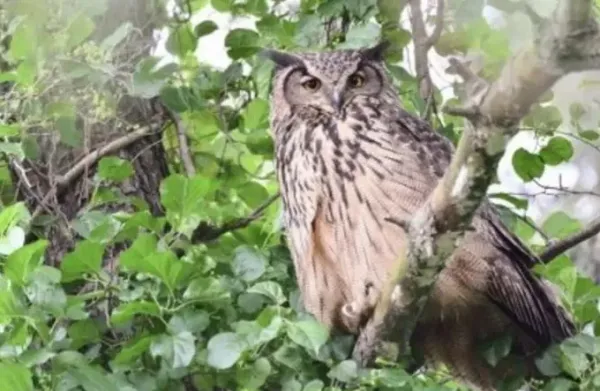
(507, 279)
(517, 291)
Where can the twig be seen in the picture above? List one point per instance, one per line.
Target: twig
(561, 246)
(99, 153)
(423, 44)
(569, 43)
(184, 148)
(207, 233)
(439, 24)
(64, 180)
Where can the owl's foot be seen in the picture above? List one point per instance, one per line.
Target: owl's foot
(356, 313)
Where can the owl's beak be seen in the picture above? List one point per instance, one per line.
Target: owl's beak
(336, 101)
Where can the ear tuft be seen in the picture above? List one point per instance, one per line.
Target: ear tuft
(376, 52)
(281, 59)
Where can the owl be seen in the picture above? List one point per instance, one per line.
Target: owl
(351, 163)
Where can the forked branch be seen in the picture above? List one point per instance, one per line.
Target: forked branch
(569, 42)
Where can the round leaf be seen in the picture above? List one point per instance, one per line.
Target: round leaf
(224, 350)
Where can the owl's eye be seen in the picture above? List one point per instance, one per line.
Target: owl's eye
(356, 80)
(312, 84)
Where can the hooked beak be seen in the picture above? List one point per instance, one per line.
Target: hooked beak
(336, 101)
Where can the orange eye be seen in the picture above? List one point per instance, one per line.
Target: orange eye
(356, 81)
(312, 84)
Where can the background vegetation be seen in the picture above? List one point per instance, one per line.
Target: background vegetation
(139, 231)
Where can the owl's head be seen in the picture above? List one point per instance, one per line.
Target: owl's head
(327, 80)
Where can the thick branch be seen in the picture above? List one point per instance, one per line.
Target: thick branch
(568, 44)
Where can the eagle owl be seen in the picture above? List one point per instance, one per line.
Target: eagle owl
(350, 162)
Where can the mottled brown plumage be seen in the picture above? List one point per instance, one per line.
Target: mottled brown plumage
(348, 159)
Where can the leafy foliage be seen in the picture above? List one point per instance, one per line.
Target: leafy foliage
(176, 310)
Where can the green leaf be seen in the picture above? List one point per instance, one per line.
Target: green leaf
(182, 40)
(560, 225)
(133, 349)
(205, 28)
(112, 168)
(253, 193)
(144, 257)
(224, 349)
(97, 226)
(86, 258)
(248, 263)
(177, 349)
(497, 349)
(43, 289)
(256, 114)
(185, 200)
(314, 385)
(126, 311)
(83, 332)
(12, 130)
(242, 43)
(558, 150)
(70, 135)
(22, 262)
(254, 376)
(361, 35)
(207, 289)
(591, 135)
(549, 362)
(270, 289)
(79, 30)
(12, 215)
(15, 377)
(192, 320)
(148, 81)
(222, 5)
(527, 165)
(117, 36)
(559, 384)
(310, 334)
(345, 371)
(92, 379)
(24, 41)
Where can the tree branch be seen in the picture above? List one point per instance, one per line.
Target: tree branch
(569, 43)
(207, 233)
(90, 159)
(423, 44)
(184, 148)
(554, 250)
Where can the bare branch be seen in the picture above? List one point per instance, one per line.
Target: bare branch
(207, 233)
(569, 43)
(64, 180)
(99, 153)
(184, 148)
(561, 246)
(423, 44)
(439, 24)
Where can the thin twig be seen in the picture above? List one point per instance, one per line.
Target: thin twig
(561, 246)
(184, 148)
(206, 233)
